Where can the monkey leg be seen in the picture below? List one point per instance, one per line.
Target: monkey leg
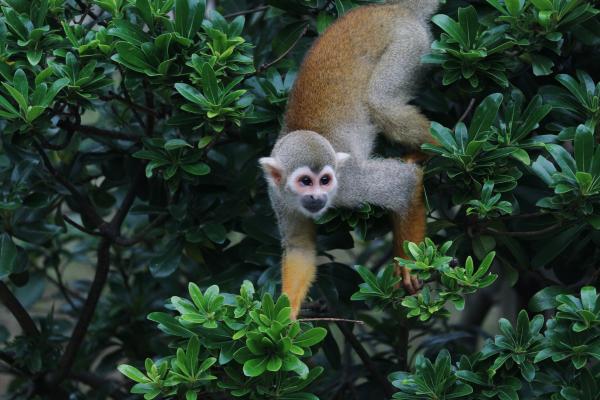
(410, 226)
(298, 264)
(392, 83)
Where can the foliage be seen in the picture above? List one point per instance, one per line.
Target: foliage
(523, 361)
(257, 346)
(428, 263)
(130, 134)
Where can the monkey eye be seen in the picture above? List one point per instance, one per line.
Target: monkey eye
(325, 179)
(306, 181)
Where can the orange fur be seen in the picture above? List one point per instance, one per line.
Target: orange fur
(412, 227)
(298, 272)
(334, 75)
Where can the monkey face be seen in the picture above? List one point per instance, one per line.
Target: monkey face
(313, 191)
(302, 172)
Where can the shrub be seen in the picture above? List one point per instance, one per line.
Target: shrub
(130, 137)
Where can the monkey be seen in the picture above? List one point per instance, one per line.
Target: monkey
(354, 83)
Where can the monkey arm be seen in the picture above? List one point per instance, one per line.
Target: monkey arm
(396, 186)
(298, 264)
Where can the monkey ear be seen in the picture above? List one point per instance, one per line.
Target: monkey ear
(341, 158)
(273, 170)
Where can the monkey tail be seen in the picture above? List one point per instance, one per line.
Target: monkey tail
(423, 9)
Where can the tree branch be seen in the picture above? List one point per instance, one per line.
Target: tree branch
(544, 231)
(121, 241)
(84, 203)
(114, 96)
(119, 217)
(87, 312)
(100, 277)
(93, 131)
(18, 311)
(99, 383)
(80, 227)
(329, 319)
(467, 111)
(366, 359)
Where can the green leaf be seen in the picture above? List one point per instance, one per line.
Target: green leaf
(545, 299)
(467, 17)
(484, 115)
(255, 367)
(165, 264)
(197, 169)
(542, 65)
(143, 7)
(174, 144)
(190, 93)
(562, 158)
(584, 148)
(210, 85)
(133, 373)
(452, 28)
(310, 337)
(274, 364)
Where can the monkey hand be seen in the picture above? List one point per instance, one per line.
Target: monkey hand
(412, 284)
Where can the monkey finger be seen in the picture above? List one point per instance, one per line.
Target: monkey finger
(416, 283)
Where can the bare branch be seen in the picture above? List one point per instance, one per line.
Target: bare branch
(121, 241)
(93, 131)
(327, 319)
(467, 111)
(246, 12)
(87, 312)
(366, 359)
(80, 227)
(541, 232)
(18, 311)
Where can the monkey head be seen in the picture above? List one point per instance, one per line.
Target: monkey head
(302, 172)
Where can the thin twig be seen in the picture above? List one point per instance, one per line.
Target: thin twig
(467, 111)
(246, 12)
(266, 66)
(92, 130)
(523, 216)
(61, 286)
(544, 231)
(99, 383)
(80, 227)
(57, 147)
(325, 319)
(114, 96)
(18, 311)
(142, 234)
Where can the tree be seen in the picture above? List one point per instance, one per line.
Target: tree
(130, 137)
